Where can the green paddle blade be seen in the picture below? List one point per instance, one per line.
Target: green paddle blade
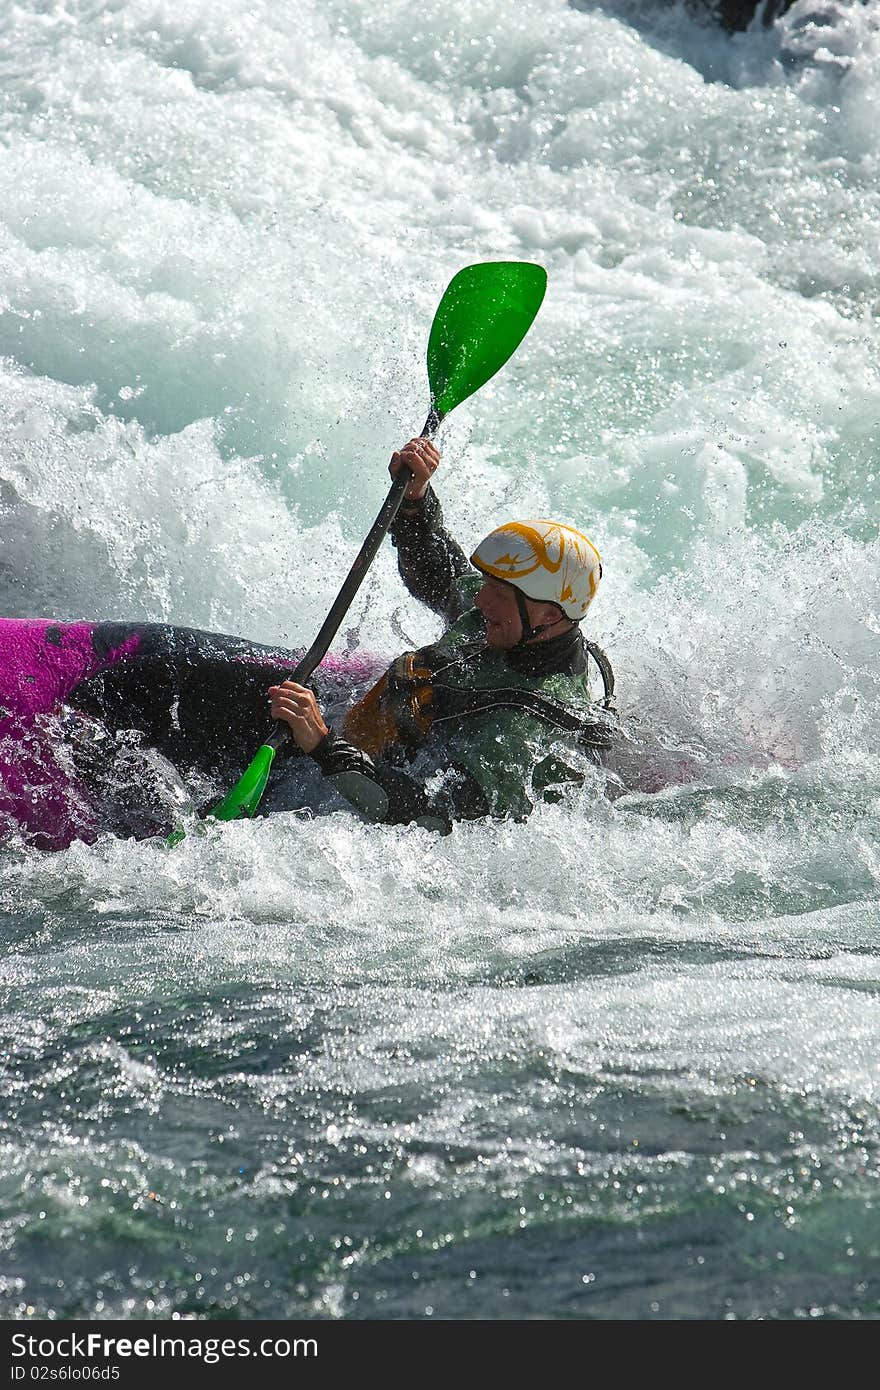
(481, 320)
(244, 798)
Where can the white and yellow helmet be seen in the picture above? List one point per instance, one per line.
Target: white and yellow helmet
(545, 560)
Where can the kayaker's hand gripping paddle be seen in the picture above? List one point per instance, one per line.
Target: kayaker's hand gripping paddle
(480, 322)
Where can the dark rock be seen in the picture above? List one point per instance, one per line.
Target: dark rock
(736, 15)
(732, 15)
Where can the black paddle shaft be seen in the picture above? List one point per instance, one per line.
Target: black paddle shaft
(355, 577)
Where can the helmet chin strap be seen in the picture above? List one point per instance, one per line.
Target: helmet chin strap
(528, 632)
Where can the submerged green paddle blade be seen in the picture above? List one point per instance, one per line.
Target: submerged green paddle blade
(481, 320)
(244, 798)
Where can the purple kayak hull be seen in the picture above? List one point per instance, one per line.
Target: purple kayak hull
(157, 679)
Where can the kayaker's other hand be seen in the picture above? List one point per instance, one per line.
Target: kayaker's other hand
(422, 459)
(297, 707)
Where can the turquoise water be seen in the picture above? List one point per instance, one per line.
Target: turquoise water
(620, 1061)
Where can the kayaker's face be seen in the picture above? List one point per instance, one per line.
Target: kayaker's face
(497, 603)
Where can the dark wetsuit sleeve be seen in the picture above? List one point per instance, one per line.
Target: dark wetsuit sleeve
(429, 560)
(390, 795)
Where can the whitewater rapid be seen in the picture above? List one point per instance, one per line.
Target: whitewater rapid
(623, 1055)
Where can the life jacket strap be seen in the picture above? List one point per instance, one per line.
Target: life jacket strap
(456, 703)
(605, 671)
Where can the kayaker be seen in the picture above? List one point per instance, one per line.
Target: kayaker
(462, 728)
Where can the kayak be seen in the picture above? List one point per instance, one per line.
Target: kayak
(86, 708)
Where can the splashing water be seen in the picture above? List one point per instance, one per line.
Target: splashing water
(619, 1061)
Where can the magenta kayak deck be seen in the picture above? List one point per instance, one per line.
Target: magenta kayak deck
(199, 697)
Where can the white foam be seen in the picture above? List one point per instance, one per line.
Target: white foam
(223, 231)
